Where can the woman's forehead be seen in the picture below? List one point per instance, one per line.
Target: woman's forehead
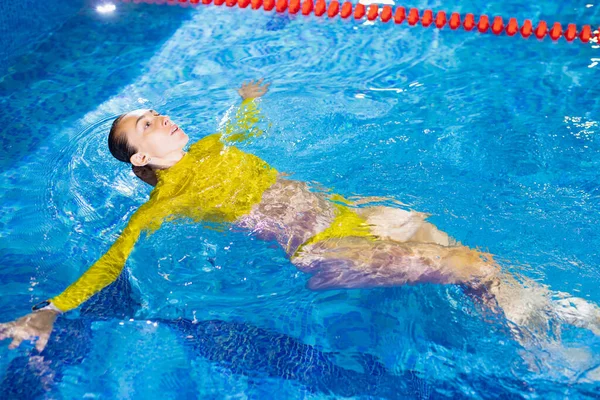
(129, 119)
(138, 112)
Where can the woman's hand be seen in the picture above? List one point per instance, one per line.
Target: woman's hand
(252, 90)
(34, 326)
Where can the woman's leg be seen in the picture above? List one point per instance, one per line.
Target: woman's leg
(357, 262)
(403, 226)
(532, 305)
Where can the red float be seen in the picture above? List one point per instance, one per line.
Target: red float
(294, 6)
(440, 19)
(307, 7)
(556, 31)
(334, 9)
(427, 18)
(386, 13)
(413, 17)
(571, 32)
(541, 30)
(526, 29)
(281, 6)
(498, 25)
(320, 7)
(513, 27)
(346, 10)
(586, 34)
(454, 21)
(469, 23)
(399, 15)
(373, 12)
(484, 24)
(359, 11)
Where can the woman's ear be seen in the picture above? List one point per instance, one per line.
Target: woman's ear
(139, 159)
(146, 174)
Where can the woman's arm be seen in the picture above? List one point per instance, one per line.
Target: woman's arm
(244, 124)
(102, 273)
(106, 270)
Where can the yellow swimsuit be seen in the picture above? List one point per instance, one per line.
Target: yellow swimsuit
(213, 182)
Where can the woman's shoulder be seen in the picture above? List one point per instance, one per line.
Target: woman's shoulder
(206, 143)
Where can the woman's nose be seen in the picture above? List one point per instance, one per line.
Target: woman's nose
(166, 120)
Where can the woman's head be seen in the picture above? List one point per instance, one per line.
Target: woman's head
(144, 138)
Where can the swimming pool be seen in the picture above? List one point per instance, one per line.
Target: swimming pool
(495, 137)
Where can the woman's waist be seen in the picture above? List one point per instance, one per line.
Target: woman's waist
(293, 215)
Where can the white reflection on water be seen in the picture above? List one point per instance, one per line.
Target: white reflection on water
(106, 8)
(579, 127)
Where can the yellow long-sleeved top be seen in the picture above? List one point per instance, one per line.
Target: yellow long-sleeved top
(212, 182)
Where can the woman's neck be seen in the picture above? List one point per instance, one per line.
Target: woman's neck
(168, 161)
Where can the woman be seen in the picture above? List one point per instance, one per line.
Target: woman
(340, 244)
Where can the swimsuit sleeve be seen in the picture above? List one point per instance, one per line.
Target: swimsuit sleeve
(106, 270)
(244, 124)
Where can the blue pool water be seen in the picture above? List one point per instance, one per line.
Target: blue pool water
(496, 137)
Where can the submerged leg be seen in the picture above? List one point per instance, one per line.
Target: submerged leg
(355, 262)
(358, 262)
(533, 305)
(578, 312)
(402, 226)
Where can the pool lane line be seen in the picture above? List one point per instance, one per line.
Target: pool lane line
(483, 24)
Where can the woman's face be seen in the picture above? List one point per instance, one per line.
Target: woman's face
(153, 135)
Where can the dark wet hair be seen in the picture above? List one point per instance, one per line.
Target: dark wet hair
(121, 150)
(117, 142)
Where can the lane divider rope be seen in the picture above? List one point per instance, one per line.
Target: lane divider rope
(386, 13)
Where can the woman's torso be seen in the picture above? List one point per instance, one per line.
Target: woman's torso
(215, 182)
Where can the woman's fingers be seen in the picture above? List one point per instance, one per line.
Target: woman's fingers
(253, 89)
(258, 83)
(16, 342)
(35, 327)
(5, 326)
(10, 331)
(42, 342)
(6, 330)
